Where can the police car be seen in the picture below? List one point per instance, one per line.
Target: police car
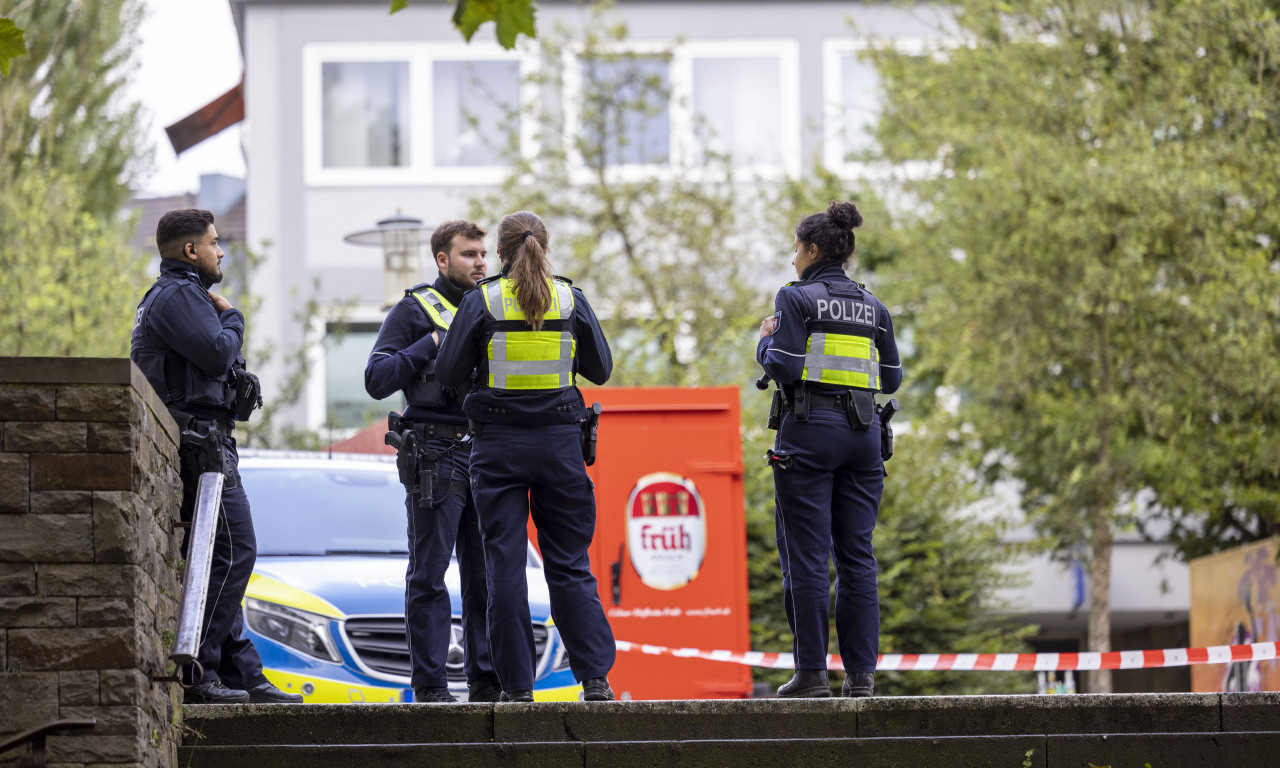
(325, 604)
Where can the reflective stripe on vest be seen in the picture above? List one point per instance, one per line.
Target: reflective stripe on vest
(842, 359)
(529, 359)
(438, 307)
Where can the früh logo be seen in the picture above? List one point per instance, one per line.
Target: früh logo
(666, 530)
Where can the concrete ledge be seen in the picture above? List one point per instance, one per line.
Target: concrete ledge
(1213, 750)
(66, 370)
(999, 715)
(541, 755)
(723, 720)
(319, 724)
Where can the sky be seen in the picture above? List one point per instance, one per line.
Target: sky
(188, 56)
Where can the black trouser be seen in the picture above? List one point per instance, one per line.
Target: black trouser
(428, 611)
(225, 654)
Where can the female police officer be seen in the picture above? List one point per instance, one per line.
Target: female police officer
(529, 333)
(830, 347)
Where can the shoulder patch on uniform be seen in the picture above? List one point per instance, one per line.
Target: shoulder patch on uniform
(417, 288)
(489, 279)
(563, 279)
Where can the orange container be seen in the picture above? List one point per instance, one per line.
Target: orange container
(670, 550)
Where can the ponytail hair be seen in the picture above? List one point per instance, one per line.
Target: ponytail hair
(522, 243)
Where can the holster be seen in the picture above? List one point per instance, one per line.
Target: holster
(886, 412)
(776, 408)
(246, 394)
(800, 403)
(200, 448)
(860, 407)
(590, 428)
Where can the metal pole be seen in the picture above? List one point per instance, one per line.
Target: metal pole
(195, 582)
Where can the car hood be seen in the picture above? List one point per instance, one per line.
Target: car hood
(353, 585)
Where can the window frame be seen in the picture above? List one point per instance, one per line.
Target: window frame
(421, 57)
(680, 109)
(833, 50)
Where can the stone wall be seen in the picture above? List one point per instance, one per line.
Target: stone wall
(89, 578)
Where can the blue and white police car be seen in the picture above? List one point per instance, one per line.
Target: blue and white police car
(325, 604)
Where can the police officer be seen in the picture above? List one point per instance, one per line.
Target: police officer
(528, 334)
(187, 341)
(404, 358)
(830, 347)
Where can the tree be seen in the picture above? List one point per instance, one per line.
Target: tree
(1093, 262)
(69, 145)
(510, 18)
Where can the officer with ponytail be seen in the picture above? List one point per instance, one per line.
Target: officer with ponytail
(432, 445)
(528, 334)
(829, 346)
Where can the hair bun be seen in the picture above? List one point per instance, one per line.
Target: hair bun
(844, 215)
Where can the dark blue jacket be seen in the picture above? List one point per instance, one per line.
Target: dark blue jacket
(465, 348)
(184, 346)
(404, 358)
(782, 354)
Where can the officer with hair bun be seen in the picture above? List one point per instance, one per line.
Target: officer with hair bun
(830, 348)
(529, 334)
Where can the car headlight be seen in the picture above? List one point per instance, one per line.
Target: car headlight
(300, 630)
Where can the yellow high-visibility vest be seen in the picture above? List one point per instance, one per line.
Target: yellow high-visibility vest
(438, 308)
(520, 358)
(842, 359)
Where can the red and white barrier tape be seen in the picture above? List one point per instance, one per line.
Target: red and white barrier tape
(999, 662)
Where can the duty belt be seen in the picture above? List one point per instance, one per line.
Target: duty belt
(439, 429)
(821, 400)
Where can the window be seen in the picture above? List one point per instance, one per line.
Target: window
(626, 106)
(365, 114)
(346, 350)
(683, 105)
(854, 99)
(738, 101)
(391, 114)
(472, 106)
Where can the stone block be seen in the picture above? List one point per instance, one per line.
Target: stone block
(85, 648)
(124, 686)
(47, 538)
(107, 403)
(18, 612)
(81, 472)
(74, 748)
(63, 370)
(27, 403)
(121, 720)
(88, 580)
(78, 689)
(46, 436)
(110, 438)
(61, 503)
(117, 535)
(17, 579)
(15, 483)
(28, 699)
(105, 612)
(1251, 711)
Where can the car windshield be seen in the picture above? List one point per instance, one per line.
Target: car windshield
(324, 510)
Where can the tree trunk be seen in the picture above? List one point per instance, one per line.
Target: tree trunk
(1099, 639)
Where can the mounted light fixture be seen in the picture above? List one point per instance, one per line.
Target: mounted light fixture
(401, 239)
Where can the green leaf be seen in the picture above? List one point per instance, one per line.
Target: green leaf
(399, 5)
(511, 17)
(11, 44)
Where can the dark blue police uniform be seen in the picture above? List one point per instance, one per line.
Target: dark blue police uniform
(830, 477)
(186, 349)
(404, 358)
(527, 458)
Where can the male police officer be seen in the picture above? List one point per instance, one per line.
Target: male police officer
(441, 514)
(187, 341)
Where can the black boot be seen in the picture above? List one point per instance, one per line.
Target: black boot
(806, 684)
(214, 692)
(266, 693)
(858, 685)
